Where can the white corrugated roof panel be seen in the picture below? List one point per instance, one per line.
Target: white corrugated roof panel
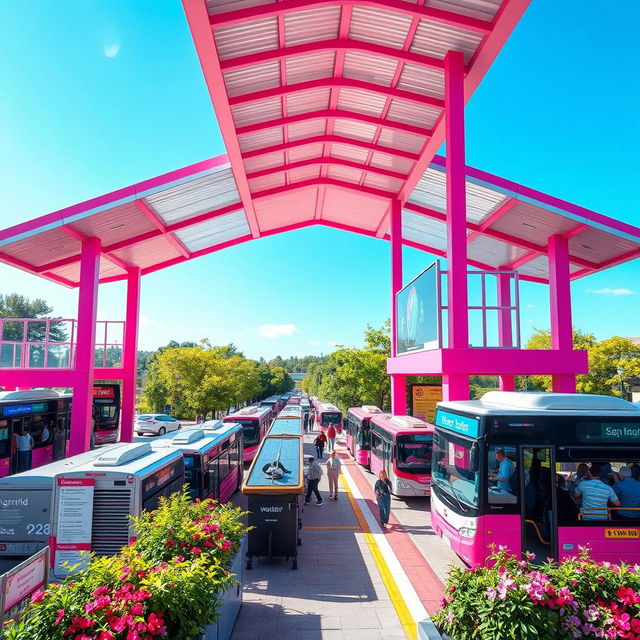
(481, 202)
(388, 28)
(424, 230)
(306, 129)
(429, 82)
(306, 101)
(305, 152)
(431, 191)
(253, 112)
(254, 78)
(435, 39)
(493, 252)
(246, 38)
(224, 6)
(411, 113)
(354, 129)
(360, 101)
(482, 9)
(264, 138)
(369, 68)
(313, 25)
(310, 67)
(208, 193)
(401, 140)
(349, 152)
(213, 232)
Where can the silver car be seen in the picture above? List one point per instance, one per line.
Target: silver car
(155, 424)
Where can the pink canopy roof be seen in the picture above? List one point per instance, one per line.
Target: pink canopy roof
(329, 110)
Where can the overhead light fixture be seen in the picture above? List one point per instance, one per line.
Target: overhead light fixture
(118, 226)
(587, 247)
(59, 248)
(530, 226)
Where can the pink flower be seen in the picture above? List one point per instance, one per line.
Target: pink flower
(105, 635)
(100, 591)
(37, 596)
(226, 545)
(169, 543)
(196, 550)
(137, 608)
(59, 617)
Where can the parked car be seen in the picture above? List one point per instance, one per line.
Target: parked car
(155, 424)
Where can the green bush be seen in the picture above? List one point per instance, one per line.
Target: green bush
(515, 599)
(151, 589)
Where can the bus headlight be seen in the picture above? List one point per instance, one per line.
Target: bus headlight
(468, 530)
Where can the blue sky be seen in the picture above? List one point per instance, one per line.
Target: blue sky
(100, 95)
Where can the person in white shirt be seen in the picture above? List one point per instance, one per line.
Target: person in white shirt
(45, 434)
(333, 474)
(25, 446)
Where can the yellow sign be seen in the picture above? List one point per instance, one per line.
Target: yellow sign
(424, 398)
(622, 533)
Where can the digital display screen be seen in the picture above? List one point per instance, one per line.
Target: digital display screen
(417, 313)
(608, 432)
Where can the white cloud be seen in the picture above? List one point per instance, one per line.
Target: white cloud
(271, 331)
(314, 343)
(145, 320)
(612, 292)
(112, 50)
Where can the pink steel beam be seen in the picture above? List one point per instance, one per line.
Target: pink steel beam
(314, 182)
(85, 347)
(283, 81)
(456, 203)
(198, 19)
(130, 354)
(158, 224)
(396, 269)
(504, 208)
(504, 23)
(333, 113)
(303, 142)
(338, 82)
(429, 14)
(25, 266)
(324, 161)
(339, 44)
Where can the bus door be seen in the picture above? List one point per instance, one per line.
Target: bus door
(538, 501)
(15, 430)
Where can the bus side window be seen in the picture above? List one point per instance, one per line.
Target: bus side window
(503, 475)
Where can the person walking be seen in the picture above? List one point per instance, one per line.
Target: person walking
(312, 419)
(333, 474)
(25, 446)
(319, 443)
(382, 490)
(331, 437)
(313, 479)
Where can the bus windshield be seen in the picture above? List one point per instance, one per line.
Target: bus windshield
(451, 472)
(251, 432)
(414, 451)
(330, 418)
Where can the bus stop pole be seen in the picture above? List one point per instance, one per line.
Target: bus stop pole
(560, 308)
(398, 381)
(455, 386)
(81, 412)
(130, 355)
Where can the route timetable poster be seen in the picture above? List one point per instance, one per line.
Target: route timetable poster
(424, 398)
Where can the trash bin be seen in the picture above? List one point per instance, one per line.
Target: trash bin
(274, 485)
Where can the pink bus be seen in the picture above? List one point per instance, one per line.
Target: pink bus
(505, 473)
(401, 445)
(358, 436)
(328, 414)
(255, 423)
(46, 415)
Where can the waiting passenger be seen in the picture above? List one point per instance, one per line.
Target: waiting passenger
(582, 473)
(595, 496)
(628, 491)
(505, 471)
(606, 473)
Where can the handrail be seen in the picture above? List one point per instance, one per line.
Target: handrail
(599, 510)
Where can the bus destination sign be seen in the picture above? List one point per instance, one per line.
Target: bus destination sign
(608, 431)
(462, 424)
(23, 409)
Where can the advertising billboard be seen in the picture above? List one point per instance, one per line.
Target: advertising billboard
(417, 307)
(424, 398)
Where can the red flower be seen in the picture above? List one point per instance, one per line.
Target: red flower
(37, 596)
(100, 591)
(226, 545)
(59, 616)
(137, 608)
(196, 550)
(169, 543)
(105, 635)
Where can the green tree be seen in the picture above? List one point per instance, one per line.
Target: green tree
(605, 358)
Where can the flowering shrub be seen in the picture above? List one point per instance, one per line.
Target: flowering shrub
(577, 598)
(150, 590)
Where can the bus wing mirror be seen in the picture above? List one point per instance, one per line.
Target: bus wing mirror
(473, 458)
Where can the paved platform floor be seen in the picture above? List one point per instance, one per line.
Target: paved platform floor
(349, 584)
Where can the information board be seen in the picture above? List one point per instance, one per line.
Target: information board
(74, 514)
(418, 313)
(19, 583)
(424, 398)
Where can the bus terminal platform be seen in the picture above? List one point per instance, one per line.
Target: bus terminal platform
(354, 580)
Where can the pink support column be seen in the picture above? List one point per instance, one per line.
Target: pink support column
(81, 412)
(398, 382)
(560, 307)
(130, 355)
(456, 386)
(507, 382)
